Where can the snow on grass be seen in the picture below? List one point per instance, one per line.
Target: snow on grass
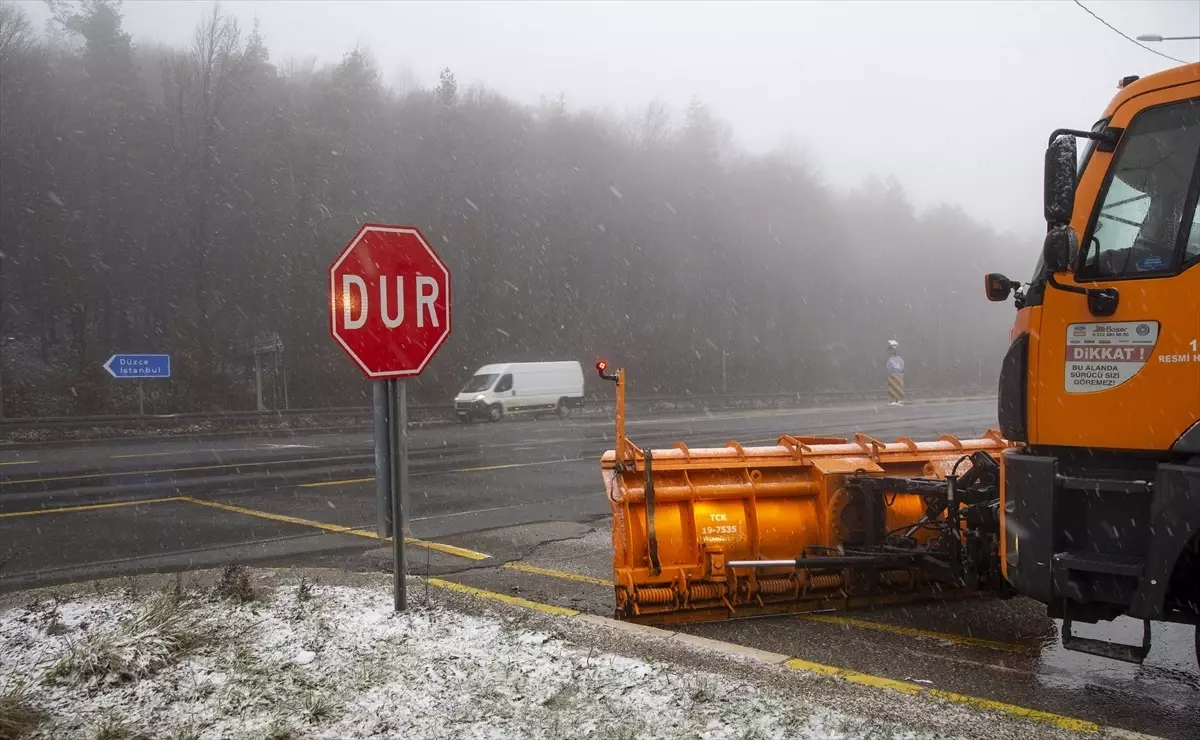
(322, 661)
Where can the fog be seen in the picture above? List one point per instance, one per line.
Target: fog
(933, 93)
(651, 183)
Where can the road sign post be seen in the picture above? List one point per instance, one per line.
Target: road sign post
(389, 310)
(139, 367)
(397, 482)
(383, 501)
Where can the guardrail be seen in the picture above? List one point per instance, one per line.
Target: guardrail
(594, 404)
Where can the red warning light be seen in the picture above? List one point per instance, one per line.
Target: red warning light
(601, 366)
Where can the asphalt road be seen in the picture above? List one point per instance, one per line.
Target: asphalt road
(518, 508)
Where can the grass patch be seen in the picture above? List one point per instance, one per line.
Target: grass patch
(17, 715)
(135, 648)
(304, 590)
(234, 584)
(112, 727)
(316, 707)
(563, 698)
(279, 730)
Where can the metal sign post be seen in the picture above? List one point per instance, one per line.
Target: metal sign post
(269, 344)
(397, 393)
(383, 483)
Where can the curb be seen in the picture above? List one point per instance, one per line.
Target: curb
(800, 665)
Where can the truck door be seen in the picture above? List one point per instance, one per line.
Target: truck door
(1130, 380)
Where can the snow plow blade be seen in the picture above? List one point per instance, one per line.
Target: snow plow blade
(808, 524)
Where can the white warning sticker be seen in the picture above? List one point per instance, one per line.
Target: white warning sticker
(1104, 355)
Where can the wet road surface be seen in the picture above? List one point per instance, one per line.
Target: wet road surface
(518, 508)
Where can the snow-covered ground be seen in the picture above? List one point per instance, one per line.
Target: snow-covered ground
(328, 660)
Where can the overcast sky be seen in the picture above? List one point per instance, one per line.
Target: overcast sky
(953, 99)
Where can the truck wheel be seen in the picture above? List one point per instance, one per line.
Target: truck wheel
(563, 409)
(495, 413)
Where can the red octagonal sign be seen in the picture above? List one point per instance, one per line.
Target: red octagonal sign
(389, 301)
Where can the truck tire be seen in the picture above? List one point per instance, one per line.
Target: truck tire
(495, 412)
(563, 410)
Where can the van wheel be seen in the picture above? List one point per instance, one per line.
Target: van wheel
(563, 409)
(495, 413)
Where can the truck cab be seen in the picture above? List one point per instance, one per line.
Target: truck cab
(1100, 386)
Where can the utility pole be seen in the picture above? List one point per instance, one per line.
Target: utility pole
(270, 344)
(724, 384)
(258, 404)
(1, 337)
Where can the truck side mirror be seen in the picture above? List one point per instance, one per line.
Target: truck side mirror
(997, 287)
(1058, 197)
(1059, 248)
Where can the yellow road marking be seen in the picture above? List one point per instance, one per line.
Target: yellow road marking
(825, 618)
(504, 598)
(335, 528)
(89, 507)
(349, 481)
(346, 482)
(865, 679)
(120, 474)
(141, 454)
(19, 462)
(916, 632)
(799, 664)
(890, 684)
(526, 568)
(461, 552)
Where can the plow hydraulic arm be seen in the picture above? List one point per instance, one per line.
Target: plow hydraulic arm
(809, 523)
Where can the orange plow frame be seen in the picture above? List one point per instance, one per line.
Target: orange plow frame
(714, 533)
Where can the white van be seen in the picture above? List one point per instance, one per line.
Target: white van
(521, 387)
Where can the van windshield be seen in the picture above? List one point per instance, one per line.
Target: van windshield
(479, 383)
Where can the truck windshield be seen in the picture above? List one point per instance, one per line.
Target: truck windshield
(479, 383)
(1136, 230)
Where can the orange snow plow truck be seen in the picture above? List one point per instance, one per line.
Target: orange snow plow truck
(1087, 498)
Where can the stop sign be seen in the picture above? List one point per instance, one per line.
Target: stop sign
(389, 301)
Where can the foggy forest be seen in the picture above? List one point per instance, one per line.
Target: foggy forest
(189, 200)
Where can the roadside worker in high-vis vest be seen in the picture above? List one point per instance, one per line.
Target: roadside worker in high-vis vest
(895, 369)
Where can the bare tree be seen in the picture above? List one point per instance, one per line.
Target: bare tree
(405, 82)
(16, 33)
(198, 84)
(650, 128)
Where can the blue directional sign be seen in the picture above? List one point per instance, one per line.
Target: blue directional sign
(139, 366)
